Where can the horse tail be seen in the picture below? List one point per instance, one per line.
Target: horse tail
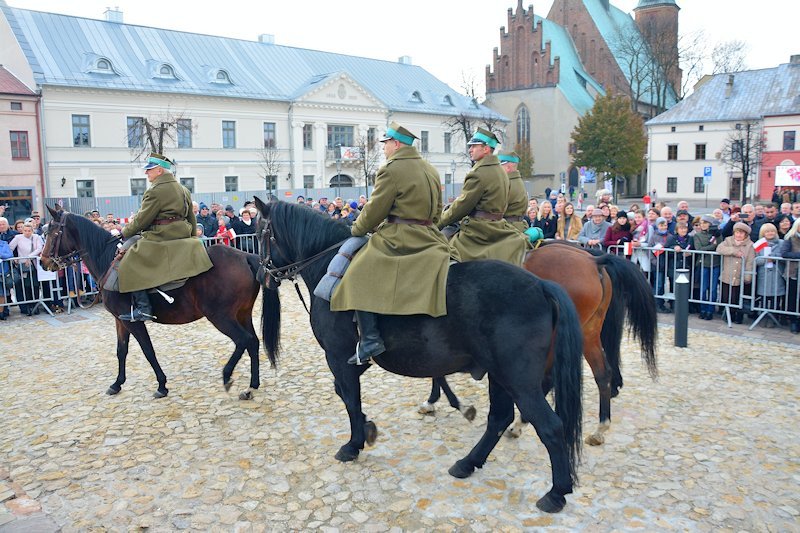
(271, 324)
(632, 295)
(567, 369)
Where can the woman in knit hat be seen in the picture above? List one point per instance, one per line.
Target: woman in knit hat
(738, 256)
(770, 285)
(705, 240)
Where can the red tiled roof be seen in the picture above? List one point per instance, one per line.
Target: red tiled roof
(10, 84)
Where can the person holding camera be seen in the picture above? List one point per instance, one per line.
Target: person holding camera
(746, 216)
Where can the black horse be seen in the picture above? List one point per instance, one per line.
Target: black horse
(225, 295)
(488, 329)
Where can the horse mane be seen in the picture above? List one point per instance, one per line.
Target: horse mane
(98, 243)
(306, 231)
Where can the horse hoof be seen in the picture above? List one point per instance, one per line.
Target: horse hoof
(469, 413)
(246, 395)
(427, 409)
(113, 390)
(551, 503)
(346, 454)
(462, 469)
(595, 440)
(227, 384)
(513, 433)
(371, 433)
(160, 393)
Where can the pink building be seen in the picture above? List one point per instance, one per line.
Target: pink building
(781, 148)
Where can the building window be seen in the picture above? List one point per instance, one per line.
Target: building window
(80, 130)
(447, 137)
(16, 106)
(423, 142)
(523, 126)
(672, 152)
(308, 143)
(135, 132)
(737, 150)
(228, 134)
(85, 188)
(699, 186)
(271, 182)
(672, 129)
(700, 127)
(672, 184)
(269, 135)
(19, 145)
(699, 151)
(138, 186)
(340, 135)
(184, 133)
(188, 183)
(572, 148)
(308, 181)
(370, 139)
(448, 178)
(231, 183)
(788, 140)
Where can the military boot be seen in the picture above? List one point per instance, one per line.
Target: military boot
(371, 343)
(141, 310)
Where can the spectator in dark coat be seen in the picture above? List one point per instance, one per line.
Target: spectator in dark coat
(208, 221)
(619, 233)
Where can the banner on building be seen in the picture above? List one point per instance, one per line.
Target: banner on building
(350, 153)
(787, 176)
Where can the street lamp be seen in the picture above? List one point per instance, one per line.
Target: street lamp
(338, 167)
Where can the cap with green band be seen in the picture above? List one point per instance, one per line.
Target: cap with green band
(399, 133)
(157, 160)
(508, 157)
(482, 136)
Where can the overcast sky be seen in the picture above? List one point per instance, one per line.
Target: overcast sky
(450, 39)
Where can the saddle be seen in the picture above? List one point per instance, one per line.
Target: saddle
(110, 281)
(338, 266)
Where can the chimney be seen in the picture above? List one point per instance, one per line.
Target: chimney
(795, 59)
(266, 38)
(729, 86)
(404, 60)
(113, 15)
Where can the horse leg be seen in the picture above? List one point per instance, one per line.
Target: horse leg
(139, 332)
(596, 358)
(347, 384)
(427, 407)
(534, 407)
(244, 338)
(467, 411)
(515, 431)
(501, 414)
(123, 339)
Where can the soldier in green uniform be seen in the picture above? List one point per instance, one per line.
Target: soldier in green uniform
(167, 250)
(484, 233)
(517, 195)
(402, 270)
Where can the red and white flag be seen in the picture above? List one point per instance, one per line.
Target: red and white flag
(760, 244)
(627, 248)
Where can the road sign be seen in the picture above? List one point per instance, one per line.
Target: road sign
(706, 175)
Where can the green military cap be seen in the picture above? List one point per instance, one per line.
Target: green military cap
(482, 136)
(399, 133)
(157, 160)
(507, 156)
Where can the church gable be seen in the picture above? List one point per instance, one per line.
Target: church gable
(337, 89)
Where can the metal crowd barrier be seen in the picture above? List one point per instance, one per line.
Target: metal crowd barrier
(247, 243)
(704, 270)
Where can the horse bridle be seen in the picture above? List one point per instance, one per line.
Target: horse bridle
(56, 228)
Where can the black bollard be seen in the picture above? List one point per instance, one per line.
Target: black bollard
(682, 290)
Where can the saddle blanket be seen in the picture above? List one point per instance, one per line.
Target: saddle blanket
(338, 267)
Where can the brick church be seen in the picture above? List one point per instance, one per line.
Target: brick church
(548, 72)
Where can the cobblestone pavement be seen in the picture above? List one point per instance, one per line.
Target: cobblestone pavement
(712, 446)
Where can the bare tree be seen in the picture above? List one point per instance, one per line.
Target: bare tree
(154, 134)
(368, 159)
(728, 56)
(270, 163)
(742, 151)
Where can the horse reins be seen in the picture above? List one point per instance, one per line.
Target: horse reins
(63, 261)
(287, 272)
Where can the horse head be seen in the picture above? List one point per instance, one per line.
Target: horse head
(61, 247)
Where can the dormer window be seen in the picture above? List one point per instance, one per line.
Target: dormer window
(97, 64)
(447, 100)
(221, 76)
(166, 71)
(415, 97)
(104, 64)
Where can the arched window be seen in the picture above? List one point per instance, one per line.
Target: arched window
(523, 125)
(341, 180)
(447, 100)
(103, 64)
(222, 77)
(415, 97)
(166, 71)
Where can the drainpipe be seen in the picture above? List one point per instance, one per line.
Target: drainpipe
(42, 151)
(291, 145)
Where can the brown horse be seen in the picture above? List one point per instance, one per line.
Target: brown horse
(225, 295)
(602, 287)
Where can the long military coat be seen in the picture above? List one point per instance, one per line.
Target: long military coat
(165, 252)
(485, 189)
(517, 200)
(402, 270)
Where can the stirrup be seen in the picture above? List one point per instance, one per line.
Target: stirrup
(137, 315)
(356, 360)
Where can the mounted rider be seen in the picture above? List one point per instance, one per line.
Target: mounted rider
(167, 250)
(484, 233)
(517, 195)
(402, 270)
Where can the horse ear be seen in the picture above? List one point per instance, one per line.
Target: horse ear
(261, 206)
(53, 212)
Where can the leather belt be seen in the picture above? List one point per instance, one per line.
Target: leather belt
(392, 219)
(163, 221)
(514, 218)
(485, 215)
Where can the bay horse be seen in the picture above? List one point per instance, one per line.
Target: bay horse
(224, 294)
(604, 288)
(489, 299)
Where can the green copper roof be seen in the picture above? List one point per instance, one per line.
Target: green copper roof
(650, 3)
